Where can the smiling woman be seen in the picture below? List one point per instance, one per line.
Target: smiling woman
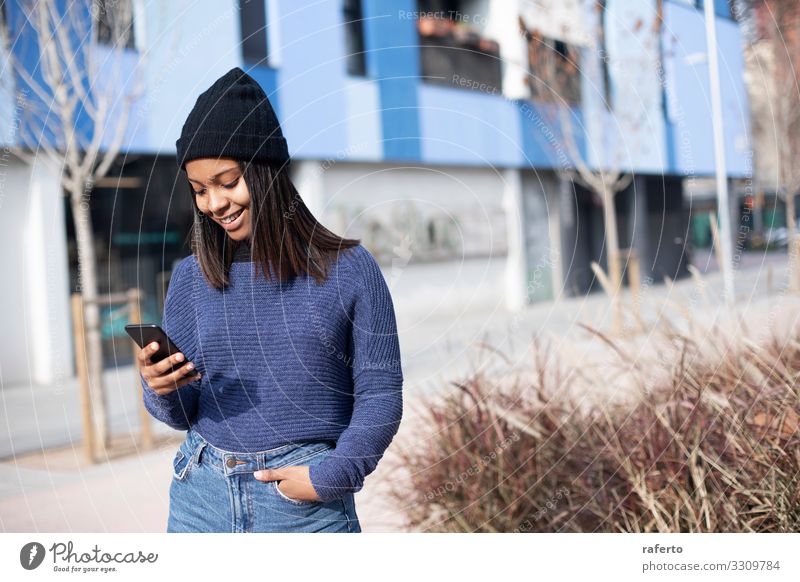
(205, 166)
(253, 207)
(291, 384)
(225, 203)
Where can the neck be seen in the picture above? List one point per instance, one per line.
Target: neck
(242, 250)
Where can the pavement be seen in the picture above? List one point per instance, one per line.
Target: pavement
(45, 486)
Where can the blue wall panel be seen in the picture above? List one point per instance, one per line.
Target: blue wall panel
(115, 78)
(689, 97)
(310, 80)
(39, 119)
(542, 137)
(392, 49)
(468, 127)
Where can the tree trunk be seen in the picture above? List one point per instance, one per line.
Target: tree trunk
(87, 287)
(614, 263)
(793, 244)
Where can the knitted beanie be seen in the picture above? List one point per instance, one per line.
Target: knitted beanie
(232, 119)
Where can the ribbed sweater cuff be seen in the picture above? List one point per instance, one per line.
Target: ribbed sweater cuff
(167, 408)
(330, 481)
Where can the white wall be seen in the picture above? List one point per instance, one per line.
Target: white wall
(47, 280)
(390, 208)
(463, 203)
(13, 342)
(502, 25)
(559, 19)
(36, 346)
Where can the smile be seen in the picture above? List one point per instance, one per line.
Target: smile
(231, 217)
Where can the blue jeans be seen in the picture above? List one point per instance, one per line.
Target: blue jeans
(214, 491)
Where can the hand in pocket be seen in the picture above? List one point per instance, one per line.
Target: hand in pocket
(293, 481)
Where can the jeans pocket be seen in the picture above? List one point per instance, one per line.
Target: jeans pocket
(285, 497)
(306, 454)
(180, 465)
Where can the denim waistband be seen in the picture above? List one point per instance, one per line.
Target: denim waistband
(232, 462)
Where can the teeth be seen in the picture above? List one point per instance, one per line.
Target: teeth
(231, 218)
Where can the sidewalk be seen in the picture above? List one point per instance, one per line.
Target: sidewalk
(53, 490)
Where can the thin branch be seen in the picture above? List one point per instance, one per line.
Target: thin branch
(75, 76)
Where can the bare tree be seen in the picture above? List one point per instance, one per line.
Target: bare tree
(557, 72)
(772, 56)
(64, 86)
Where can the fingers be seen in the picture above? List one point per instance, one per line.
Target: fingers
(164, 388)
(165, 365)
(143, 356)
(288, 473)
(162, 366)
(170, 381)
(160, 376)
(270, 474)
(295, 480)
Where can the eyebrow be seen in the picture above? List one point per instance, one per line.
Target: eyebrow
(215, 176)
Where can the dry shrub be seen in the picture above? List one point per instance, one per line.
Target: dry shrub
(709, 444)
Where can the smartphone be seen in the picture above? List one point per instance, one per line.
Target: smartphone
(147, 333)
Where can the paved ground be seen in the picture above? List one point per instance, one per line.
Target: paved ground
(44, 486)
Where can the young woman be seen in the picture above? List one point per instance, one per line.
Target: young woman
(290, 383)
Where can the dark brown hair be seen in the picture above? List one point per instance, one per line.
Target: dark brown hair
(285, 236)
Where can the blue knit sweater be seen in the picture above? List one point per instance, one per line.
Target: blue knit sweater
(291, 362)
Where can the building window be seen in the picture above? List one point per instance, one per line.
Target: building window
(453, 48)
(722, 8)
(554, 68)
(253, 21)
(354, 38)
(5, 27)
(3, 18)
(114, 22)
(604, 56)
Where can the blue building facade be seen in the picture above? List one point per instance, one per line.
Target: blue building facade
(390, 112)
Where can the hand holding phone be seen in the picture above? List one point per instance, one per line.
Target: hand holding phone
(160, 362)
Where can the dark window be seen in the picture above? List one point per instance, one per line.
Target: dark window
(722, 8)
(5, 29)
(554, 68)
(253, 20)
(447, 7)
(114, 22)
(453, 50)
(604, 56)
(138, 237)
(354, 37)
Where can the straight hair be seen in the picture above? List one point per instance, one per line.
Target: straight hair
(285, 239)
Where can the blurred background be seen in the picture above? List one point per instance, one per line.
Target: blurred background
(487, 152)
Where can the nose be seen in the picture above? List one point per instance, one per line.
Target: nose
(217, 202)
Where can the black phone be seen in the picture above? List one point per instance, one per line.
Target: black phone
(147, 333)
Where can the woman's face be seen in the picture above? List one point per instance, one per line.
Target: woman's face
(221, 194)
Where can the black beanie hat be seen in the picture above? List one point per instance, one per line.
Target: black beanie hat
(232, 119)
